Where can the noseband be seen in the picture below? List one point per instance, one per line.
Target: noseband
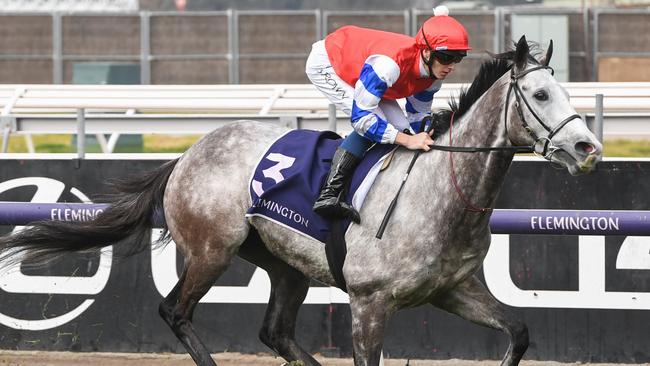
(543, 145)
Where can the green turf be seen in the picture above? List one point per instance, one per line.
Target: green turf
(627, 148)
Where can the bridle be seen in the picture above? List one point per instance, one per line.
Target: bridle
(543, 146)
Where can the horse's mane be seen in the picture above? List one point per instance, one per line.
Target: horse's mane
(490, 71)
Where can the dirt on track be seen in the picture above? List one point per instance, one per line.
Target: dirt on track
(32, 358)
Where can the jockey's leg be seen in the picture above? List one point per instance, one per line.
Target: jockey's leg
(331, 203)
(369, 318)
(320, 72)
(472, 301)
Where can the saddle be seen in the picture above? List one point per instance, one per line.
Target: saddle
(289, 177)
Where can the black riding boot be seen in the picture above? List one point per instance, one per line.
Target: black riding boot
(330, 204)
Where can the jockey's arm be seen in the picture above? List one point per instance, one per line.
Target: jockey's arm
(377, 75)
(421, 141)
(418, 105)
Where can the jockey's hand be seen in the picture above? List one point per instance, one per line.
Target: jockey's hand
(421, 141)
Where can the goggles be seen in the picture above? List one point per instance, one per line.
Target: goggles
(445, 57)
(449, 57)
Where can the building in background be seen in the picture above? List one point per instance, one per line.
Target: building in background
(194, 5)
(267, 41)
(218, 5)
(69, 5)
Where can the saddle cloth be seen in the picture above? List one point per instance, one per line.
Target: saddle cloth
(289, 177)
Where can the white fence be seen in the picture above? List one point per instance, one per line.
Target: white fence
(192, 109)
(259, 99)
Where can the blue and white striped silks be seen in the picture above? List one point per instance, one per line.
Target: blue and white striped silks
(418, 105)
(377, 75)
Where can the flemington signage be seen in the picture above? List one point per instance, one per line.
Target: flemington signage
(593, 264)
(70, 214)
(567, 223)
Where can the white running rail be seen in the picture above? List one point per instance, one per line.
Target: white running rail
(182, 109)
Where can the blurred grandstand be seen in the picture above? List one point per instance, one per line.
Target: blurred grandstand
(267, 41)
(68, 5)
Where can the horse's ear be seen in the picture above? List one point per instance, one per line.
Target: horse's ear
(549, 53)
(521, 53)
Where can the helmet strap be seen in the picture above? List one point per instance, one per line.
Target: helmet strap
(429, 63)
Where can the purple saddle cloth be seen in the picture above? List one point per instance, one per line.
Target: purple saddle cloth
(289, 177)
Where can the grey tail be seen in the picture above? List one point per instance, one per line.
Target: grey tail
(126, 224)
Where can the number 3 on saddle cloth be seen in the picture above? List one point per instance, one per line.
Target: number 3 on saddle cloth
(289, 177)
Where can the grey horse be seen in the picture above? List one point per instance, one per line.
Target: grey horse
(204, 195)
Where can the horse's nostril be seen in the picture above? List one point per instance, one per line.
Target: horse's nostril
(585, 147)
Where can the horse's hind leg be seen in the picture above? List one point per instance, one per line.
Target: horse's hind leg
(472, 301)
(288, 290)
(178, 307)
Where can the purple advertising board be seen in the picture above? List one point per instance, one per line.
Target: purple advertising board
(584, 297)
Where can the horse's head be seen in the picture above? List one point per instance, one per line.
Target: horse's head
(538, 112)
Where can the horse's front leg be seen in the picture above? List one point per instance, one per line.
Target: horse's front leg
(369, 317)
(472, 301)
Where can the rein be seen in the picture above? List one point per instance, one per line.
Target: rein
(547, 149)
(542, 146)
(391, 207)
(468, 204)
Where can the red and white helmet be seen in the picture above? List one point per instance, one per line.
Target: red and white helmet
(442, 33)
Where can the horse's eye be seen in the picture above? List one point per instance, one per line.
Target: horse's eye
(541, 95)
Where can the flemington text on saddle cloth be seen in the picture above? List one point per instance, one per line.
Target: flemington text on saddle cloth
(290, 174)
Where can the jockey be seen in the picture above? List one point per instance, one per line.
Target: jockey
(363, 71)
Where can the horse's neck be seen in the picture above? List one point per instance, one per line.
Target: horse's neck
(479, 175)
